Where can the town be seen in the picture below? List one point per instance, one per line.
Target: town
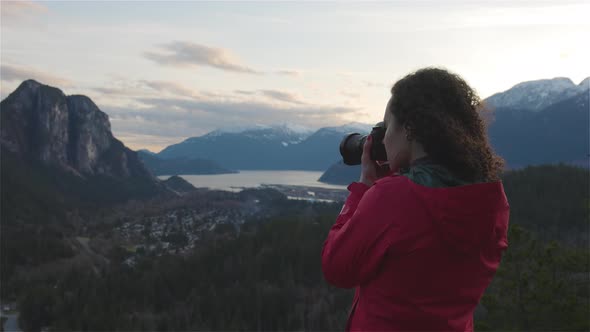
(207, 214)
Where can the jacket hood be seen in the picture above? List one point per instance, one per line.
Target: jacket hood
(469, 218)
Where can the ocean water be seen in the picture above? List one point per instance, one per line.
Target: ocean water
(252, 179)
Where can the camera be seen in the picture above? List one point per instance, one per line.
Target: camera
(351, 146)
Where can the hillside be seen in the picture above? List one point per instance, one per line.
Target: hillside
(542, 282)
(180, 165)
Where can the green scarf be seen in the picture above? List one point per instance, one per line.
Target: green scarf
(426, 172)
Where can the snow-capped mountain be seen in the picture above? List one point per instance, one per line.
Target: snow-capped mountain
(537, 95)
(355, 127)
(285, 134)
(277, 130)
(267, 147)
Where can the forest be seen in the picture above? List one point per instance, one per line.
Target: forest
(267, 276)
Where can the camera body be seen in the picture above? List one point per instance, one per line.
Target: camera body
(351, 146)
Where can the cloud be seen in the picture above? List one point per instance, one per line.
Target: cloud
(277, 95)
(372, 84)
(247, 110)
(116, 91)
(282, 96)
(122, 88)
(171, 87)
(18, 73)
(21, 9)
(156, 114)
(245, 92)
(144, 89)
(350, 94)
(172, 120)
(289, 72)
(183, 54)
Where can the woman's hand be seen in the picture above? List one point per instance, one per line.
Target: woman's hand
(370, 170)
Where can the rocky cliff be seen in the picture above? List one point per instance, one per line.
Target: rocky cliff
(41, 125)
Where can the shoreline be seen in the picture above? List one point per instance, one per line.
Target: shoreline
(310, 193)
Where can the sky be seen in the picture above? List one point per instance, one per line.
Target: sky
(166, 71)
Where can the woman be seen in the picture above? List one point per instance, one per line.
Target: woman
(421, 242)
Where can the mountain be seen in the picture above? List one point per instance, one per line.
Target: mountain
(60, 170)
(159, 166)
(295, 131)
(179, 184)
(67, 142)
(339, 173)
(271, 148)
(537, 95)
(146, 151)
(556, 133)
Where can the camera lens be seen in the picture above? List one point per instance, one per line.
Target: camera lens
(351, 148)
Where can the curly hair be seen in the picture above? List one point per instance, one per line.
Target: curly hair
(442, 112)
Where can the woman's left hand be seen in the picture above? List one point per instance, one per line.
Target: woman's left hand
(370, 170)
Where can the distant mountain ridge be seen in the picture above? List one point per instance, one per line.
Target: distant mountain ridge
(556, 133)
(181, 165)
(268, 147)
(293, 133)
(537, 95)
(146, 151)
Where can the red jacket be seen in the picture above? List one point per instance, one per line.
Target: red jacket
(419, 257)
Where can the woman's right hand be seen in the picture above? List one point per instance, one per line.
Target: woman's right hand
(370, 170)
